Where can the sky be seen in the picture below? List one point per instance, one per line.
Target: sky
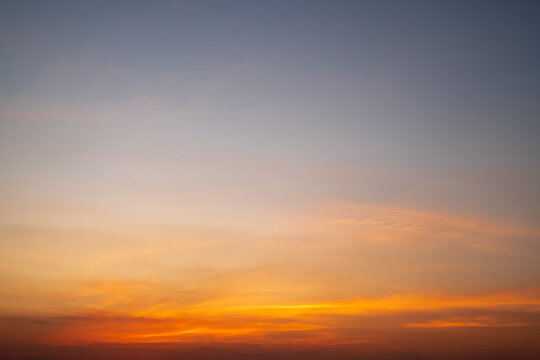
(273, 179)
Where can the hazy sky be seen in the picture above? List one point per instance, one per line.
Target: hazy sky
(270, 172)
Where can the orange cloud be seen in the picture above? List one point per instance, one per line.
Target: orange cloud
(463, 322)
(314, 322)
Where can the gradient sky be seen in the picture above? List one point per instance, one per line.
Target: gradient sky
(303, 179)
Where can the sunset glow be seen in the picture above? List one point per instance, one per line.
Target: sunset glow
(273, 179)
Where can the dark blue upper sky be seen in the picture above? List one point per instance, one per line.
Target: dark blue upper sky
(436, 100)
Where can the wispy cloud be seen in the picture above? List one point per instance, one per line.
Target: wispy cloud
(381, 223)
(134, 317)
